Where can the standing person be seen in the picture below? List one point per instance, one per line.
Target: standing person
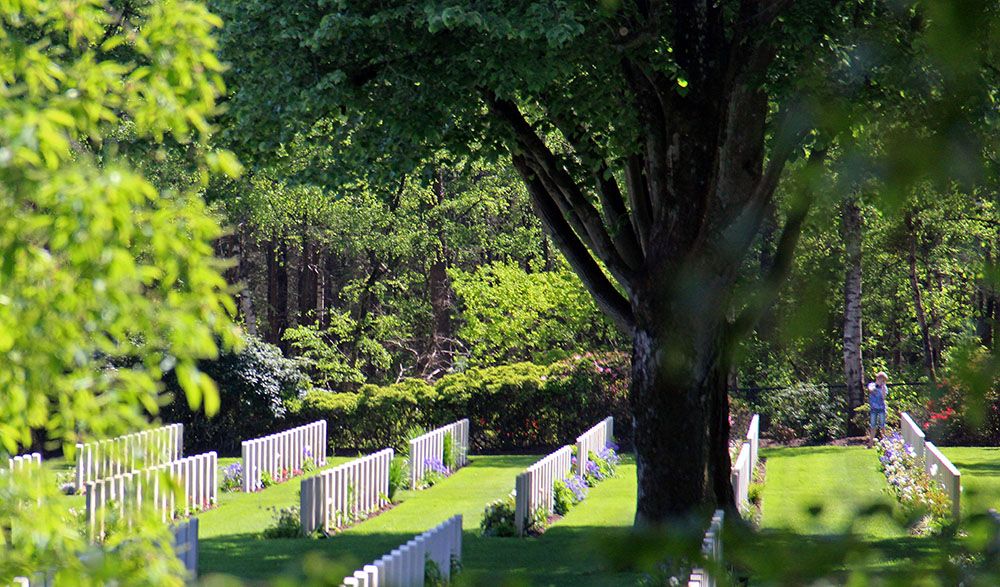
(878, 390)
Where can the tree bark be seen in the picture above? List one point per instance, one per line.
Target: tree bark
(918, 304)
(852, 233)
(277, 290)
(681, 425)
(308, 279)
(437, 353)
(245, 271)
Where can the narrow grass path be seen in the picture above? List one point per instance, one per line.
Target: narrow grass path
(821, 491)
(231, 543)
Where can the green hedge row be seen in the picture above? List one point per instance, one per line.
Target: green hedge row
(510, 408)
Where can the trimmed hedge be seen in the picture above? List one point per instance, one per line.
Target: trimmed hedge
(510, 408)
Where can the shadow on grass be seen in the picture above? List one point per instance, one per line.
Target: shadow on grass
(563, 556)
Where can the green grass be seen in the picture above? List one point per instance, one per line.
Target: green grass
(817, 492)
(980, 468)
(565, 555)
(820, 489)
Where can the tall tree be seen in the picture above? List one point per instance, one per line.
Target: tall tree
(852, 232)
(918, 301)
(652, 138)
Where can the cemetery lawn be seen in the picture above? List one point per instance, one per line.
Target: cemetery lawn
(818, 491)
(980, 468)
(230, 539)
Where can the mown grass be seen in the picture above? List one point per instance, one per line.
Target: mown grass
(565, 555)
(980, 468)
(820, 494)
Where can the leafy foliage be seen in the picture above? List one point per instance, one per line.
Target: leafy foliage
(805, 411)
(286, 524)
(255, 384)
(509, 314)
(509, 407)
(99, 264)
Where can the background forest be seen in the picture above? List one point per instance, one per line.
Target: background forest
(368, 282)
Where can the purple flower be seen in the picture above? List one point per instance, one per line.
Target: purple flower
(437, 466)
(578, 486)
(307, 451)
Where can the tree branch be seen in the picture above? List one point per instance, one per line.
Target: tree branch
(612, 202)
(608, 299)
(783, 257)
(578, 210)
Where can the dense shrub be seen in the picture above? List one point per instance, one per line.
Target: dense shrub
(805, 411)
(285, 523)
(964, 407)
(254, 388)
(498, 518)
(511, 407)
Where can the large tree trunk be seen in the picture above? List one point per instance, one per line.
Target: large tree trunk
(852, 232)
(681, 424)
(918, 304)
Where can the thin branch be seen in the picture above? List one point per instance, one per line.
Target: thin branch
(781, 267)
(585, 217)
(608, 298)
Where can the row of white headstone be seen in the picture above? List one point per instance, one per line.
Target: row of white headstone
(533, 488)
(339, 496)
(173, 490)
(280, 455)
(711, 551)
(593, 440)
(22, 462)
(935, 463)
(405, 566)
(185, 545)
(427, 449)
(123, 454)
(742, 471)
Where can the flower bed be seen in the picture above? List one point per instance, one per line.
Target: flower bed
(498, 518)
(232, 474)
(921, 496)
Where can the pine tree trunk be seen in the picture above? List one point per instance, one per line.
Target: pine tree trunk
(437, 353)
(852, 233)
(308, 280)
(277, 290)
(918, 303)
(245, 270)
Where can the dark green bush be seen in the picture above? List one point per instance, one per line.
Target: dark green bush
(805, 411)
(255, 388)
(511, 407)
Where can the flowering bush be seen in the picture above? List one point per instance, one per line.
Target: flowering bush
(498, 518)
(568, 492)
(435, 471)
(232, 477)
(920, 495)
(601, 465)
(308, 463)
